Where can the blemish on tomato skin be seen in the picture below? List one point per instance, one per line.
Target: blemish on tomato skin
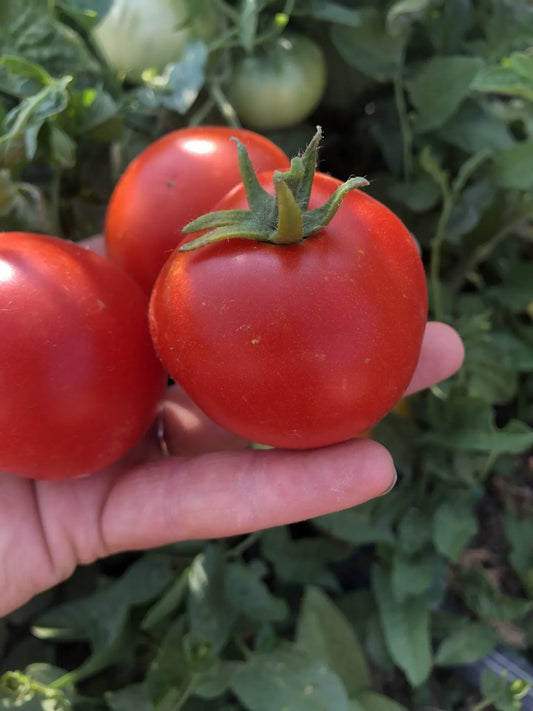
(255, 341)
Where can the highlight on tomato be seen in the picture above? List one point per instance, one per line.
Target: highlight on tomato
(179, 177)
(295, 318)
(80, 383)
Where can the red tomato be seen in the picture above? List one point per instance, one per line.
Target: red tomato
(179, 177)
(79, 380)
(296, 346)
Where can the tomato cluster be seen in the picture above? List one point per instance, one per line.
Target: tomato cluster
(301, 338)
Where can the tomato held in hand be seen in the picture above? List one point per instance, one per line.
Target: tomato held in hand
(294, 345)
(179, 177)
(80, 383)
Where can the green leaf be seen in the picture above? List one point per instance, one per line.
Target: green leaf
(368, 46)
(288, 678)
(511, 167)
(488, 602)
(179, 85)
(403, 13)
(30, 30)
(467, 424)
(468, 643)
(414, 530)
(357, 525)
(516, 290)
(372, 701)
(519, 535)
(406, 628)
(302, 560)
(512, 77)
(211, 615)
(101, 618)
(128, 698)
(170, 667)
(27, 118)
(328, 11)
(454, 525)
(439, 87)
(167, 604)
(411, 576)
(250, 596)
(474, 128)
(326, 634)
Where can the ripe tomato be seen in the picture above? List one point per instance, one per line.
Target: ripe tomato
(79, 380)
(296, 346)
(179, 177)
(281, 85)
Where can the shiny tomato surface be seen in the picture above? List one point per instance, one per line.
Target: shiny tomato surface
(80, 382)
(177, 178)
(296, 346)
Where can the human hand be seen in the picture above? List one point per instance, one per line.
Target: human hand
(207, 484)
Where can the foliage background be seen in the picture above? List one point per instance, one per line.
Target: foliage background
(373, 608)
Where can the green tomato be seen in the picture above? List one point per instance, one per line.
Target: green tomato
(280, 86)
(139, 35)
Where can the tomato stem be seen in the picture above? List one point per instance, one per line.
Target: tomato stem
(280, 219)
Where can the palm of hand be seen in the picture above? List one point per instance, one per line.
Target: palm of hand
(214, 487)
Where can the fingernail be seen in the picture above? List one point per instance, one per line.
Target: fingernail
(393, 484)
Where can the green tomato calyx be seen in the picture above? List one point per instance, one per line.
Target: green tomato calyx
(282, 218)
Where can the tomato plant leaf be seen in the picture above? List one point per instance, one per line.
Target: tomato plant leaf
(326, 634)
(288, 678)
(471, 428)
(454, 526)
(403, 13)
(368, 46)
(519, 535)
(511, 167)
(406, 628)
(439, 87)
(465, 645)
(372, 701)
(250, 596)
(357, 525)
(490, 603)
(210, 614)
(304, 561)
(129, 697)
(411, 576)
(102, 617)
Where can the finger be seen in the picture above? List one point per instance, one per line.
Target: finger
(96, 244)
(229, 493)
(442, 355)
(187, 431)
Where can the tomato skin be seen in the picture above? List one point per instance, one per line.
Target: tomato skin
(80, 382)
(177, 178)
(281, 86)
(135, 35)
(296, 346)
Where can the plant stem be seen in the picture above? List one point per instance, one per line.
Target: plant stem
(407, 137)
(186, 694)
(483, 704)
(483, 251)
(248, 542)
(435, 259)
(224, 106)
